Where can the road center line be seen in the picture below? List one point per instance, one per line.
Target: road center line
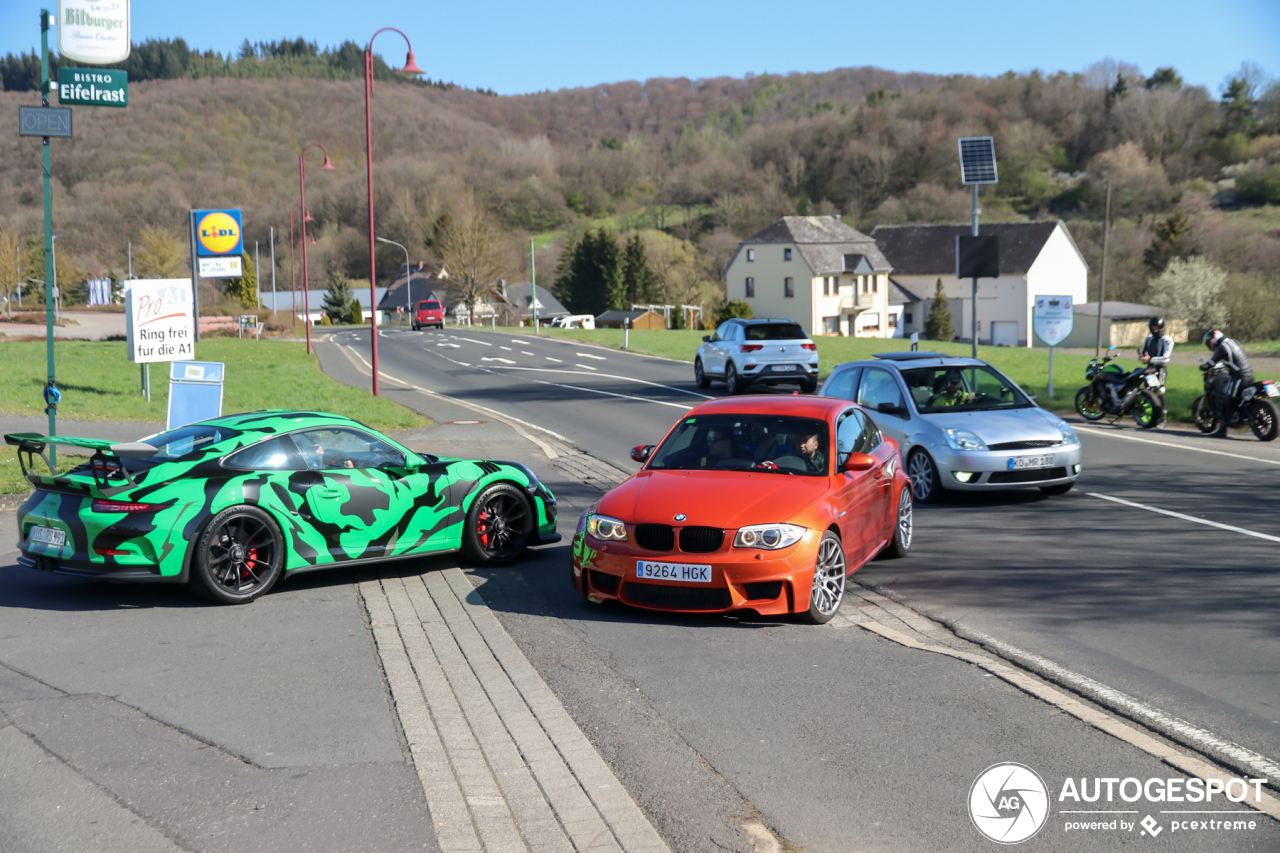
(556, 360)
(585, 366)
(525, 352)
(589, 355)
(503, 360)
(600, 375)
(1172, 514)
(474, 341)
(1110, 434)
(612, 394)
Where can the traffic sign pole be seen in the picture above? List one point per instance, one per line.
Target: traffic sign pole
(48, 230)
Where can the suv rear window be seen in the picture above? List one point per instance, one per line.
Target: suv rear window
(775, 332)
(429, 306)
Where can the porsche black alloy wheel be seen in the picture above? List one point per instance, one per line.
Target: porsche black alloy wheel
(499, 525)
(238, 557)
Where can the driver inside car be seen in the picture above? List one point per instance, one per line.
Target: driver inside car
(948, 390)
(719, 447)
(316, 457)
(811, 452)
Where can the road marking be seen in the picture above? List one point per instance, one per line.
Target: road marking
(521, 343)
(1110, 434)
(589, 355)
(455, 346)
(474, 341)
(513, 422)
(612, 394)
(526, 352)
(601, 375)
(1173, 514)
(556, 360)
(585, 366)
(508, 349)
(503, 360)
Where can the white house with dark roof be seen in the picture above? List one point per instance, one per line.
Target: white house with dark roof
(828, 277)
(1036, 259)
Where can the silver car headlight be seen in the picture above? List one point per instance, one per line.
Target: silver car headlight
(1068, 434)
(962, 439)
(769, 537)
(606, 529)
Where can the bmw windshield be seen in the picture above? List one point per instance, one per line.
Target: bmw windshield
(962, 389)
(785, 445)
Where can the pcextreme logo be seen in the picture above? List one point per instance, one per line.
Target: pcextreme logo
(1008, 803)
(218, 232)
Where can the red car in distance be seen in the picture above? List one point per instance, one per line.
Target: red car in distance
(430, 313)
(750, 503)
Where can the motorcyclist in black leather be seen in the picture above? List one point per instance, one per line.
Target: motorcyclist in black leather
(1156, 352)
(1229, 352)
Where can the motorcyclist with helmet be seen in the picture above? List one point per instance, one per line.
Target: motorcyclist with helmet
(1229, 352)
(1156, 352)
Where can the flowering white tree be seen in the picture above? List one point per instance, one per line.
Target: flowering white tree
(1191, 290)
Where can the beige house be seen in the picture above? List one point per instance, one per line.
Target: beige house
(828, 277)
(1036, 259)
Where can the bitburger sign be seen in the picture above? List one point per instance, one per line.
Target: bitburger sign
(93, 31)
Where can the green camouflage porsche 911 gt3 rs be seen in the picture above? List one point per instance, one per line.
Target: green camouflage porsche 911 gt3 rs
(230, 505)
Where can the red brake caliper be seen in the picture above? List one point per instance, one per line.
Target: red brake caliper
(482, 527)
(250, 560)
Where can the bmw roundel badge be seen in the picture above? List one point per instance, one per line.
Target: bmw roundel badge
(680, 516)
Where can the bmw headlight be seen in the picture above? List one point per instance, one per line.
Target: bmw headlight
(962, 439)
(606, 529)
(769, 537)
(1068, 434)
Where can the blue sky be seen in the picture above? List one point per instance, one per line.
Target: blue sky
(523, 47)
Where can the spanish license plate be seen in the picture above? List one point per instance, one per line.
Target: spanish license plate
(673, 572)
(784, 368)
(1017, 463)
(1272, 390)
(48, 536)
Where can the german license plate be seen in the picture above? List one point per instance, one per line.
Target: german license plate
(48, 536)
(673, 572)
(1272, 391)
(784, 368)
(1017, 463)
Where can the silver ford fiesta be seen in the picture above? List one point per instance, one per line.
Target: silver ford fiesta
(960, 424)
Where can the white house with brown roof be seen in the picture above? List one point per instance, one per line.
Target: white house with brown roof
(1036, 259)
(828, 277)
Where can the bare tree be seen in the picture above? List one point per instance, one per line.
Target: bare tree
(474, 252)
(158, 254)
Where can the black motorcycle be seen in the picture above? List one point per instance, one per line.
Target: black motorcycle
(1118, 393)
(1251, 404)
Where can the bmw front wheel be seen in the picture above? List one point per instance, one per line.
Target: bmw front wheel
(828, 581)
(903, 527)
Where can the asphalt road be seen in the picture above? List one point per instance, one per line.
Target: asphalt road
(1176, 614)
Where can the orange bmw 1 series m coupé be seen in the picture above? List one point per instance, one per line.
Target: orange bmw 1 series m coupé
(749, 503)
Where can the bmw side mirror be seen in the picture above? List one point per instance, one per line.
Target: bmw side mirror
(858, 462)
(706, 339)
(640, 452)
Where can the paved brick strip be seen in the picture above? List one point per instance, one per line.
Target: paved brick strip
(503, 765)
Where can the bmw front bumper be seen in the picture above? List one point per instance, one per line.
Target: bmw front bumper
(989, 470)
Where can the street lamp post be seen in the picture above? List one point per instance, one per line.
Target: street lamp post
(410, 67)
(306, 217)
(408, 276)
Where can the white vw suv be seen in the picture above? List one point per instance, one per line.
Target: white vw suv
(749, 352)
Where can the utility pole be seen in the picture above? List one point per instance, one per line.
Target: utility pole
(1102, 276)
(533, 284)
(273, 269)
(973, 315)
(48, 229)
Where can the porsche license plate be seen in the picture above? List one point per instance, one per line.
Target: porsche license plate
(673, 571)
(1017, 463)
(48, 536)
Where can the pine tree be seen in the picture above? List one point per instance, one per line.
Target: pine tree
(245, 288)
(938, 326)
(589, 278)
(639, 283)
(337, 299)
(357, 313)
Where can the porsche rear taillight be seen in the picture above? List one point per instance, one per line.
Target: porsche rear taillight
(125, 506)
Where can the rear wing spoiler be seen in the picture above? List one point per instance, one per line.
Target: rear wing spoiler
(105, 462)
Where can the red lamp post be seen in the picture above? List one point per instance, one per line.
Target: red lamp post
(306, 217)
(293, 275)
(410, 67)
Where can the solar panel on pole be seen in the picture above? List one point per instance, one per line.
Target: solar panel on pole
(978, 160)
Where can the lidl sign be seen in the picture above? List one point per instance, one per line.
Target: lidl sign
(218, 232)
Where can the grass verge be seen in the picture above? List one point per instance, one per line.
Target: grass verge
(1028, 367)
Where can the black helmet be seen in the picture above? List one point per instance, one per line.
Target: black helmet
(1212, 338)
(1156, 324)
